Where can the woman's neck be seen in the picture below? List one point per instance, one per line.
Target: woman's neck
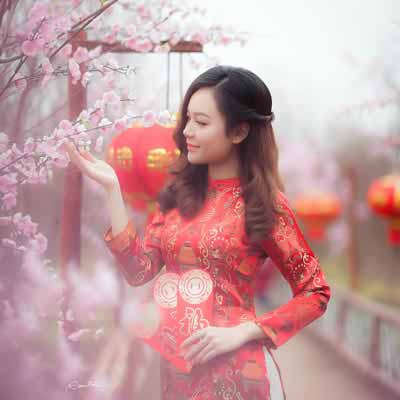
(226, 170)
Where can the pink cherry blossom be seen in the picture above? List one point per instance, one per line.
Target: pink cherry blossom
(110, 38)
(111, 98)
(155, 36)
(63, 23)
(131, 43)
(175, 39)
(9, 243)
(95, 52)
(74, 70)
(96, 116)
(144, 45)
(225, 40)
(149, 118)
(84, 116)
(39, 243)
(65, 125)
(66, 51)
(9, 200)
(20, 81)
(116, 28)
(130, 29)
(81, 55)
(200, 37)
(7, 182)
(120, 124)
(99, 104)
(87, 76)
(38, 10)
(60, 161)
(17, 219)
(48, 32)
(105, 122)
(32, 48)
(29, 145)
(109, 80)
(143, 11)
(28, 227)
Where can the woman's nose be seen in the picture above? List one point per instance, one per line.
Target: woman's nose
(187, 132)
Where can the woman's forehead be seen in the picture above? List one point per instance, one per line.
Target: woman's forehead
(203, 102)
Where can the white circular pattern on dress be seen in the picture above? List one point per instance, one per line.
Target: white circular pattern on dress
(166, 289)
(195, 286)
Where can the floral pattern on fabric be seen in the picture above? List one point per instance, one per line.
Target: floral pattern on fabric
(213, 241)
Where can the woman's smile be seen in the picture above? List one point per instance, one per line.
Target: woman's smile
(192, 147)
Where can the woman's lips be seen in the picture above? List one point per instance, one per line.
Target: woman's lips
(191, 147)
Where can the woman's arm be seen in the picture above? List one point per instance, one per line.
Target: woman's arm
(301, 268)
(117, 210)
(139, 260)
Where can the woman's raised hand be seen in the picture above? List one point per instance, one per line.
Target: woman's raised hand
(91, 166)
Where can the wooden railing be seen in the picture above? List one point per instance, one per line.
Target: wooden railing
(366, 333)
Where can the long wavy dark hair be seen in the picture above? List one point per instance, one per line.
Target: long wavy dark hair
(241, 96)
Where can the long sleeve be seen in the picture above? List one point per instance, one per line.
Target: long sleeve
(139, 260)
(301, 269)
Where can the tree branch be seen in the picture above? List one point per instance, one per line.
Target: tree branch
(76, 33)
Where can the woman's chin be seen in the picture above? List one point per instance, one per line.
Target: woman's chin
(194, 160)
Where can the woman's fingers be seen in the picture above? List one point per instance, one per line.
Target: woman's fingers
(76, 158)
(88, 156)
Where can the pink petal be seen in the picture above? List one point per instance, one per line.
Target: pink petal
(81, 55)
(66, 51)
(20, 81)
(110, 97)
(74, 69)
(149, 118)
(9, 243)
(31, 47)
(65, 125)
(9, 200)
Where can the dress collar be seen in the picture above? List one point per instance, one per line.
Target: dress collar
(235, 181)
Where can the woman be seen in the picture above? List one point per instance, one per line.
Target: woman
(226, 211)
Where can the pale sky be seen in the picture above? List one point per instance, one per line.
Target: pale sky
(316, 56)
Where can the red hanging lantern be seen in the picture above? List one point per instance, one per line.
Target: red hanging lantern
(384, 199)
(317, 211)
(140, 157)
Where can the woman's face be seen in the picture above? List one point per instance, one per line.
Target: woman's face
(205, 130)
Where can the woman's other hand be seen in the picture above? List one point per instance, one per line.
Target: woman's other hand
(207, 343)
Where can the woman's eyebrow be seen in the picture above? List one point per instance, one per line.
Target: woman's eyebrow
(200, 113)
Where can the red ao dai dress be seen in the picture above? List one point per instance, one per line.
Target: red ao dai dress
(211, 241)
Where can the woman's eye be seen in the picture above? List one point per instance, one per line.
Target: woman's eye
(197, 122)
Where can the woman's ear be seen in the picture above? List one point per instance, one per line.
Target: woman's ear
(241, 133)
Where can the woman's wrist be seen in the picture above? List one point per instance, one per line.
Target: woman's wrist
(249, 330)
(118, 213)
